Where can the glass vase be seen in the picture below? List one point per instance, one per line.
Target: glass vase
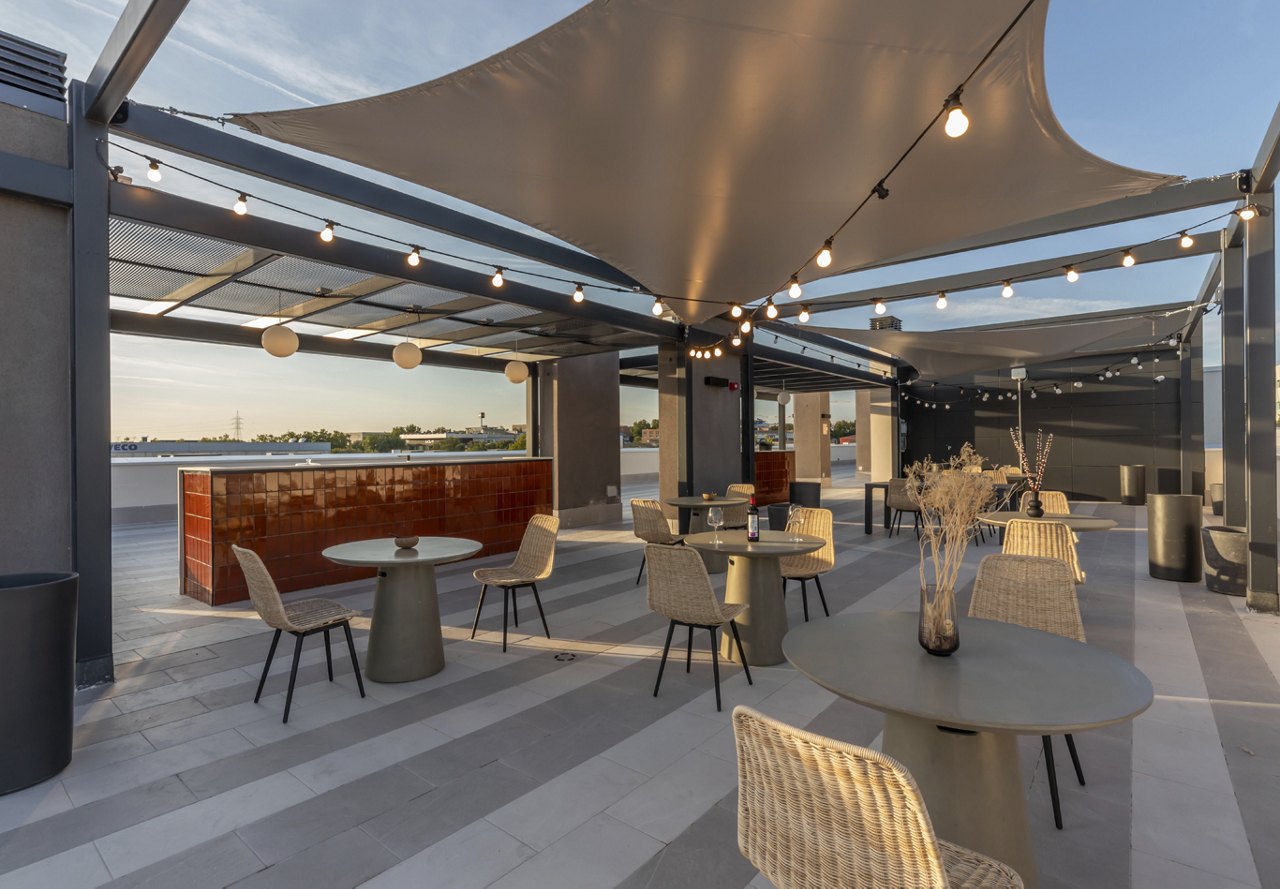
(939, 631)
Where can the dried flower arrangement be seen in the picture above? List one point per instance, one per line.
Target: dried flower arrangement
(950, 497)
(1043, 445)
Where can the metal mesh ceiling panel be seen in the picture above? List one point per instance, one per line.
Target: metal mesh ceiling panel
(515, 340)
(442, 329)
(353, 314)
(408, 295)
(249, 299)
(498, 313)
(304, 275)
(170, 249)
(145, 282)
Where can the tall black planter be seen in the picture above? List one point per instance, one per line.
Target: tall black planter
(1173, 536)
(37, 676)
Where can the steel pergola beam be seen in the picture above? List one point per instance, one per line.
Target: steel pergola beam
(158, 208)
(138, 33)
(155, 127)
(1267, 165)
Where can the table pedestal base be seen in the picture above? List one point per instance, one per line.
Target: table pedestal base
(757, 583)
(405, 642)
(717, 563)
(972, 787)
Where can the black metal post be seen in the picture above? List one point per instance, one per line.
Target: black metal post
(748, 416)
(1233, 424)
(1260, 395)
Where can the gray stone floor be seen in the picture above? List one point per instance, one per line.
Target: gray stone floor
(525, 770)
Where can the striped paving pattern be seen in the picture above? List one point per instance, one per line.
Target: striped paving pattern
(553, 764)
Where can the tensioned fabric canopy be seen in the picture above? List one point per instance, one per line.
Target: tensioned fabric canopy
(707, 147)
(944, 355)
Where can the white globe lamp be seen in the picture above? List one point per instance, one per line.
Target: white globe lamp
(516, 371)
(406, 355)
(279, 341)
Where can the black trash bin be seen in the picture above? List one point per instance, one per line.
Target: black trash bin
(778, 516)
(37, 676)
(1173, 536)
(1226, 551)
(1216, 497)
(1133, 485)
(807, 494)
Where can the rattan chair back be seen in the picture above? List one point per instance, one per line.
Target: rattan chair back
(679, 587)
(736, 516)
(1051, 540)
(817, 522)
(651, 524)
(262, 589)
(1052, 502)
(1029, 591)
(898, 498)
(537, 553)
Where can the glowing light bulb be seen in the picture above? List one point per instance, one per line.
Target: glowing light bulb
(578, 295)
(717, 351)
(413, 257)
(657, 307)
(957, 122)
(824, 255)
(1128, 260)
(1057, 390)
(735, 310)
(1072, 275)
(942, 300)
(1007, 290)
(1186, 241)
(693, 353)
(1033, 393)
(793, 289)
(1133, 360)
(326, 233)
(880, 307)
(736, 341)
(1160, 379)
(804, 314)
(1110, 374)
(745, 326)
(1245, 213)
(1078, 384)
(241, 206)
(153, 172)
(1101, 378)
(770, 310)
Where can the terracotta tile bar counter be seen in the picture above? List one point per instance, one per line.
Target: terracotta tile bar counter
(288, 514)
(775, 471)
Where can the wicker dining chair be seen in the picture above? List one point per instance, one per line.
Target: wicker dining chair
(898, 500)
(735, 517)
(1050, 539)
(1040, 593)
(301, 619)
(816, 813)
(533, 563)
(681, 591)
(810, 566)
(651, 526)
(1052, 502)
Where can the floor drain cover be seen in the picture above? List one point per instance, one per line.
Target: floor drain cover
(566, 656)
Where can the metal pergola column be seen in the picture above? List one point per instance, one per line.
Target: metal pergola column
(1260, 395)
(748, 415)
(1233, 420)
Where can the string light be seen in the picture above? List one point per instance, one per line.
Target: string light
(804, 315)
(1078, 384)
(1101, 378)
(1160, 379)
(942, 300)
(770, 310)
(497, 280)
(1057, 390)
(745, 326)
(153, 170)
(736, 341)
(717, 351)
(879, 305)
(735, 310)
(1072, 275)
(241, 206)
(1185, 240)
(1247, 212)
(1128, 259)
(1007, 290)
(1110, 373)
(326, 233)
(793, 288)
(413, 257)
(957, 122)
(1033, 393)
(824, 255)
(1133, 360)
(657, 308)
(578, 295)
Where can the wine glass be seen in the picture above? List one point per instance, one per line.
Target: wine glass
(715, 518)
(794, 512)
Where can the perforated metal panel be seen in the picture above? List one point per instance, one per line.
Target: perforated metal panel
(166, 248)
(250, 299)
(409, 295)
(303, 274)
(441, 329)
(144, 282)
(353, 314)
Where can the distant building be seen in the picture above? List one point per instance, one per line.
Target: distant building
(649, 436)
(488, 435)
(149, 448)
(886, 322)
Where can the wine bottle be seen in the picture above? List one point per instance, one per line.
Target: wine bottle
(753, 521)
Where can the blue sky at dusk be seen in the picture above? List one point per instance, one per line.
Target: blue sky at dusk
(1174, 86)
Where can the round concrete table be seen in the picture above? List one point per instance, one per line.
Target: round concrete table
(697, 508)
(1078, 523)
(755, 580)
(405, 642)
(953, 721)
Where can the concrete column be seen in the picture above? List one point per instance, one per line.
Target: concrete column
(700, 423)
(813, 437)
(1233, 430)
(1260, 398)
(882, 440)
(581, 401)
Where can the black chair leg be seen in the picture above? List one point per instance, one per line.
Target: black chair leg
(293, 676)
(1053, 780)
(271, 653)
(741, 655)
(475, 623)
(538, 601)
(916, 520)
(822, 597)
(804, 598)
(688, 653)
(715, 665)
(671, 628)
(328, 653)
(506, 596)
(355, 664)
(640, 573)
(1075, 759)
(515, 609)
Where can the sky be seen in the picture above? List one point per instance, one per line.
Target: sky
(1173, 86)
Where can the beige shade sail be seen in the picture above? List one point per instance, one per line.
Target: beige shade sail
(707, 147)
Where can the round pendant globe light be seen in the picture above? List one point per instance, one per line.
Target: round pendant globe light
(516, 371)
(406, 355)
(784, 398)
(279, 341)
